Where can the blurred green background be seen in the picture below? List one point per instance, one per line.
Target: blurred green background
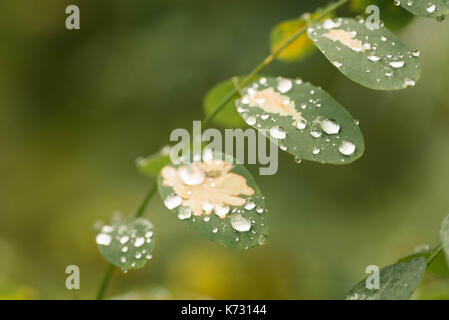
(78, 107)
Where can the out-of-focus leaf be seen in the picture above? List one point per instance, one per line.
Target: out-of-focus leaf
(393, 16)
(303, 119)
(228, 116)
(397, 282)
(376, 59)
(217, 199)
(127, 244)
(152, 165)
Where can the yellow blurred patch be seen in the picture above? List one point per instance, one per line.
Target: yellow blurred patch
(298, 49)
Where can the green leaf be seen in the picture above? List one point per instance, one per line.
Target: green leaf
(438, 267)
(228, 116)
(303, 119)
(444, 235)
(397, 282)
(218, 199)
(376, 59)
(127, 244)
(427, 8)
(152, 165)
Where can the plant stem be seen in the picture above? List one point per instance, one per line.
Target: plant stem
(105, 282)
(233, 93)
(434, 255)
(146, 200)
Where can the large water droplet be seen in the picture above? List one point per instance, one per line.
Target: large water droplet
(330, 126)
(346, 148)
(278, 133)
(284, 85)
(172, 201)
(103, 239)
(184, 213)
(240, 223)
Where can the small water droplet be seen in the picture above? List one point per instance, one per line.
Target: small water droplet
(346, 148)
(172, 201)
(239, 223)
(103, 239)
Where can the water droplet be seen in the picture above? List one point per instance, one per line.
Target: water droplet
(215, 230)
(316, 151)
(346, 148)
(138, 255)
(240, 223)
(139, 242)
(284, 85)
(301, 124)
(103, 239)
(124, 239)
(123, 259)
(430, 8)
(416, 53)
(221, 210)
(184, 213)
(330, 126)
(251, 121)
(316, 133)
(261, 240)
(278, 133)
(172, 201)
(250, 205)
(191, 175)
(373, 58)
(298, 160)
(397, 64)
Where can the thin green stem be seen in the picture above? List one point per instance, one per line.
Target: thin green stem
(233, 93)
(146, 200)
(105, 282)
(434, 255)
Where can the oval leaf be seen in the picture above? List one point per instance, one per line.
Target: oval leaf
(429, 9)
(152, 165)
(397, 282)
(218, 199)
(444, 235)
(127, 244)
(376, 59)
(303, 119)
(227, 117)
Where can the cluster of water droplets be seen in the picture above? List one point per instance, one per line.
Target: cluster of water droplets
(389, 61)
(133, 240)
(317, 127)
(432, 8)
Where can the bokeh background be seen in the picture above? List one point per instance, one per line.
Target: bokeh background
(78, 107)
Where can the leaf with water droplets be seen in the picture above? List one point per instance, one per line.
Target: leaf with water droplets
(127, 244)
(227, 117)
(376, 58)
(218, 199)
(444, 235)
(152, 165)
(396, 282)
(302, 119)
(425, 8)
(438, 267)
